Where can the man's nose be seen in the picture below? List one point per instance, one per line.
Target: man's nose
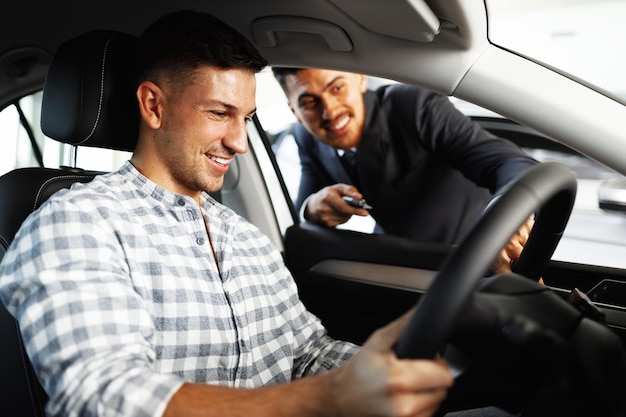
(330, 107)
(237, 139)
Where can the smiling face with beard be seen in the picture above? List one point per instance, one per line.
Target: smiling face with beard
(329, 104)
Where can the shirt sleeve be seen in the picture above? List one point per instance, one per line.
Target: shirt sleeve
(66, 281)
(316, 352)
(487, 160)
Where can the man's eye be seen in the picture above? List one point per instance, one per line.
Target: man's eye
(307, 104)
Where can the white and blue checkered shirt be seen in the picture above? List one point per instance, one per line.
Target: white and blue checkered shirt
(120, 299)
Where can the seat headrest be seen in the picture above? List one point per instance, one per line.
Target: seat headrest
(88, 95)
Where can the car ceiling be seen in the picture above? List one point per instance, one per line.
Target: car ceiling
(395, 44)
(29, 34)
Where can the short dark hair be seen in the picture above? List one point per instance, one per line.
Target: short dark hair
(179, 42)
(281, 73)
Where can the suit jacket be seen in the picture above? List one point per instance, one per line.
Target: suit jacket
(427, 170)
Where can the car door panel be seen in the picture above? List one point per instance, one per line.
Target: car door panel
(357, 282)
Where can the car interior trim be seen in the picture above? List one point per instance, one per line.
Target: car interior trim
(265, 30)
(413, 20)
(413, 279)
(542, 109)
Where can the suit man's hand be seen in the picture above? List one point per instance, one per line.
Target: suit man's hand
(327, 206)
(513, 249)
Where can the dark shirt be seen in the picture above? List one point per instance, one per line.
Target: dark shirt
(427, 170)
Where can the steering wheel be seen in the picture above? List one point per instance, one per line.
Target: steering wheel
(547, 190)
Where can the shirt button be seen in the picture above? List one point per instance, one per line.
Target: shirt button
(200, 241)
(181, 202)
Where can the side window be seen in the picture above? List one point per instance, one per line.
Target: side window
(596, 231)
(594, 236)
(24, 144)
(98, 159)
(276, 119)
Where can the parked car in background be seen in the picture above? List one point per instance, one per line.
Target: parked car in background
(547, 75)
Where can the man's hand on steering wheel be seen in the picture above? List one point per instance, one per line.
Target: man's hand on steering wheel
(513, 249)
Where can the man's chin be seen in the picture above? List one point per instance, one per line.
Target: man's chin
(340, 142)
(215, 189)
(214, 186)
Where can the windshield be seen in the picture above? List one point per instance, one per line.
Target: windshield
(585, 38)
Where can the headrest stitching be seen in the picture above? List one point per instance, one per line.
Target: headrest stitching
(48, 181)
(93, 129)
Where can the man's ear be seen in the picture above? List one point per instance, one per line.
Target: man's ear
(150, 98)
(363, 83)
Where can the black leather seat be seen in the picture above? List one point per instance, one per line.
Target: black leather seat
(23, 190)
(88, 100)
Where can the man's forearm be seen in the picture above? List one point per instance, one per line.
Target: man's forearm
(307, 397)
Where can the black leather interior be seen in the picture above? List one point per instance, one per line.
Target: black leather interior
(88, 100)
(88, 97)
(23, 190)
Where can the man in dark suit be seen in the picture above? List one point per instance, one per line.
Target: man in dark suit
(426, 169)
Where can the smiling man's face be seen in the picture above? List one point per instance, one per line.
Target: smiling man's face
(329, 104)
(197, 130)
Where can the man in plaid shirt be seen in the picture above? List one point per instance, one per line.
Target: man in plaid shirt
(139, 295)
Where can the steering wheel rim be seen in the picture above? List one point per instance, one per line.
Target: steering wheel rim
(548, 190)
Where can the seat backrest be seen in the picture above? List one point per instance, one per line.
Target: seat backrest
(23, 190)
(88, 100)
